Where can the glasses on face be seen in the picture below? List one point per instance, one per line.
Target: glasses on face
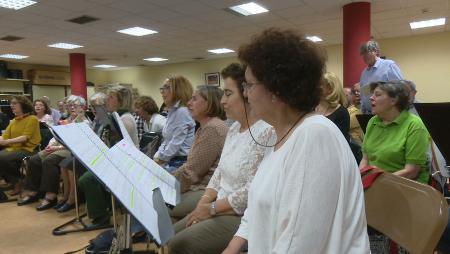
(164, 88)
(73, 105)
(248, 85)
(13, 103)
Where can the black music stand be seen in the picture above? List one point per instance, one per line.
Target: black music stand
(363, 120)
(78, 220)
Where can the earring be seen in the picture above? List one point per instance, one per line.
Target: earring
(273, 98)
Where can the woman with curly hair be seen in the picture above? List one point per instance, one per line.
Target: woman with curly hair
(306, 196)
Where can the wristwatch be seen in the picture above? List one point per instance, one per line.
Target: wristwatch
(212, 209)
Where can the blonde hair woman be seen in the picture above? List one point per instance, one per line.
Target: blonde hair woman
(178, 133)
(331, 103)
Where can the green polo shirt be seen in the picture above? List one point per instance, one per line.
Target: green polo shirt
(392, 146)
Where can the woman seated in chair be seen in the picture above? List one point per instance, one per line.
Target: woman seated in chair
(119, 99)
(43, 168)
(97, 101)
(178, 133)
(396, 141)
(204, 155)
(20, 139)
(43, 112)
(146, 108)
(217, 215)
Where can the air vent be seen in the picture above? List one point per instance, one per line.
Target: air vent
(83, 20)
(11, 38)
(98, 59)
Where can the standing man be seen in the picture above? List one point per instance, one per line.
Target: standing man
(377, 70)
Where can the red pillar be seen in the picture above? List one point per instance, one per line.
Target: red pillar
(356, 32)
(78, 74)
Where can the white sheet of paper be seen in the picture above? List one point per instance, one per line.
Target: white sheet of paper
(127, 174)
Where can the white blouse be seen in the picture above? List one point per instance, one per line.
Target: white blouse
(238, 163)
(156, 123)
(307, 196)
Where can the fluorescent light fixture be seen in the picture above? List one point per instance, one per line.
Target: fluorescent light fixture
(314, 38)
(63, 45)
(220, 51)
(137, 31)
(16, 4)
(155, 59)
(249, 9)
(105, 66)
(13, 56)
(427, 23)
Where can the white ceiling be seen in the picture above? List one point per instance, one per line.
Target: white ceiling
(187, 28)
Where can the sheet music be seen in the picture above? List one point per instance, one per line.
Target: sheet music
(123, 130)
(144, 172)
(127, 174)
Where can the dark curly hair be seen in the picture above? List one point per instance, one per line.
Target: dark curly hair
(288, 65)
(236, 72)
(47, 109)
(147, 104)
(25, 103)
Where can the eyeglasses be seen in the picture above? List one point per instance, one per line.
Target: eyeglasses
(164, 88)
(73, 105)
(248, 86)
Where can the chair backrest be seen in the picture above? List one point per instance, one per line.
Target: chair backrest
(413, 215)
(46, 136)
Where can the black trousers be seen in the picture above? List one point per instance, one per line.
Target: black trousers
(43, 173)
(10, 162)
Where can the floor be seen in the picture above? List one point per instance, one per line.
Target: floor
(25, 230)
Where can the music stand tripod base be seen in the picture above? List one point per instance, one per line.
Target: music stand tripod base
(61, 230)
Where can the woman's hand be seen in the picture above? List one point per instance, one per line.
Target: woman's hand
(50, 149)
(200, 213)
(235, 246)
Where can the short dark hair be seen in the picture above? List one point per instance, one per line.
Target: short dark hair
(25, 103)
(236, 72)
(47, 109)
(394, 89)
(288, 65)
(147, 104)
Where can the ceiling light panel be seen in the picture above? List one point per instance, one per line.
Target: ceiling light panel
(427, 23)
(105, 66)
(249, 9)
(13, 56)
(155, 59)
(220, 51)
(314, 38)
(16, 4)
(63, 45)
(137, 31)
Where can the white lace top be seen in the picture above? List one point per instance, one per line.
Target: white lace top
(238, 163)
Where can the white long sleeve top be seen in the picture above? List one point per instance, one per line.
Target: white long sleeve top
(307, 196)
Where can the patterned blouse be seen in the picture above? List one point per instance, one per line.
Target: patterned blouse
(239, 161)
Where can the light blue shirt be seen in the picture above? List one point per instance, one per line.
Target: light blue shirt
(56, 116)
(382, 70)
(178, 133)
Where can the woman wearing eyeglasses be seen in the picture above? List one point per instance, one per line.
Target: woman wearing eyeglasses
(217, 215)
(178, 133)
(306, 196)
(19, 140)
(43, 168)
